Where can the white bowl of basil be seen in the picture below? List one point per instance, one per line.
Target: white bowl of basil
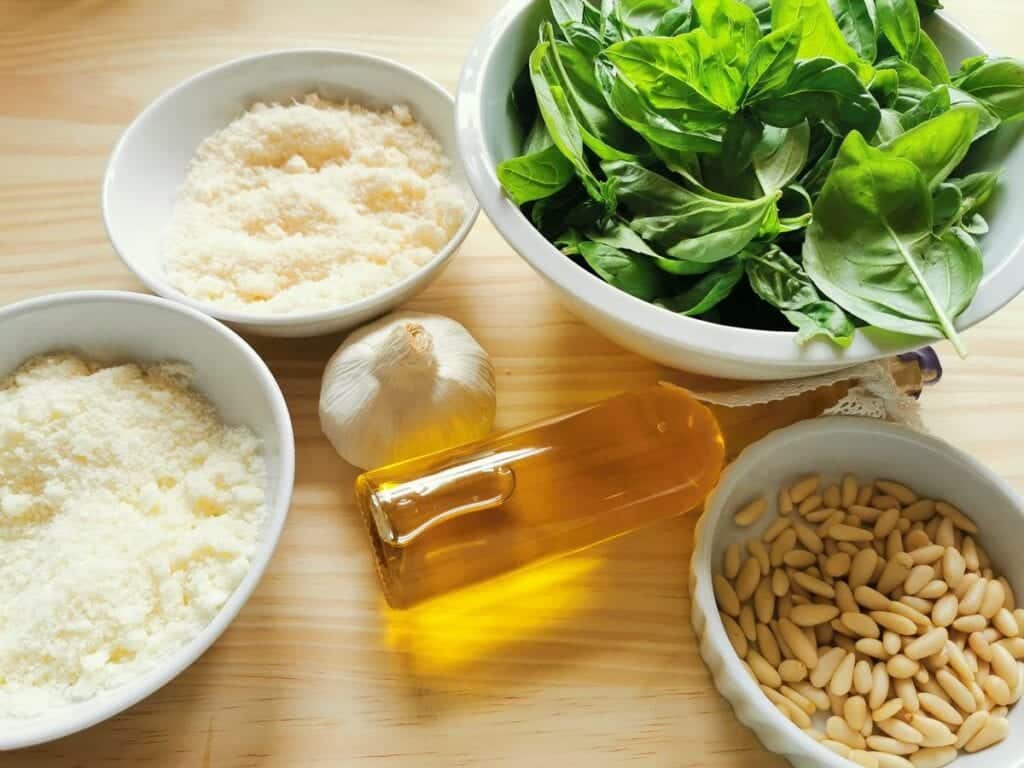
(747, 188)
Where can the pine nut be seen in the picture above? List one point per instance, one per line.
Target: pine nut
(970, 553)
(884, 501)
(764, 601)
(894, 542)
(792, 671)
(891, 761)
(799, 558)
(919, 576)
(939, 708)
(820, 515)
(944, 533)
(887, 710)
(928, 644)
(907, 692)
(803, 488)
(861, 624)
(808, 538)
(748, 579)
(945, 610)
(1004, 665)
(957, 690)
(812, 584)
(897, 490)
(971, 727)
(725, 595)
(933, 590)
(763, 671)
(731, 561)
(892, 642)
(808, 505)
(900, 730)
(842, 679)
(785, 502)
(837, 746)
(879, 688)
(782, 544)
(968, 624)
(933, 732)
(1006, 623)
(995, 730)
(751, 512)
(828, 662)
(860, 515)
(855, 712)
(864, 494)
(813, 614)
(838, 565)
(904, 609)
(920, 511)
(775, 528)
(780, 582)
(845, 601)
(837, 729)
(862, 568)
(997, 690)
(832, 496)
(842, 532)
(890, 745)
(870, 598)
(886, 523)
(862, 758)
(863, 680)
(736, 636)
(919, 604)
(970, 603)
(894, 622)
(801, 701)
(748, 623)
(872, 648)
(933, 757)
(960, 520)
(980, 645)
(993, 599)
(1011, 599)
(848, 490)
(895, 572)
(815, 695)
(953, 567)
(900, 667)
(804, 650)
(758, 551)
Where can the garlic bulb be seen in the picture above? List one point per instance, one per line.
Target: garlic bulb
(406, 385)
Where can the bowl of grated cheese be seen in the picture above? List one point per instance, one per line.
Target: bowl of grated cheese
(146, 470)
(292, 193)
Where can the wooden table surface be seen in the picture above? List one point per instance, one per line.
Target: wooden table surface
(594, 665)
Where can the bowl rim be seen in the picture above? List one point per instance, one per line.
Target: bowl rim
(700, 569)
(377, 301)
(49, 727)
(738, 345)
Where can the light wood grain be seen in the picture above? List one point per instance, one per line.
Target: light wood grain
(599, 666)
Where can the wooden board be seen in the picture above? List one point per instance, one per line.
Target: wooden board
(596, 665)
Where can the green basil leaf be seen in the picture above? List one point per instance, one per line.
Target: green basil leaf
(996, 83)
(946, 204)
(857, 22)
(958, 201)
(928, 60)
(870, 247)
(663, 128)
(910, 76)
(935, 103)
(771, 62)
(937, 146)
(686, 73)
(634, 274)
(820, 34)
(885, 87)
(583, 38)
(900, 22)
(779, 280)
(569, 208)
(701, 227)
(708, 291)
(781, 155)
(889, 128)
(535, 176)
(987, 121)
(642, 17)
(763, 11)
(732, 25)
(560, 119)
(617, 234)
(826, 90)
(676, 21)
(567, 11)
(742, 136)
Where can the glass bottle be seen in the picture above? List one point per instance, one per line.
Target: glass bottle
(457, 517)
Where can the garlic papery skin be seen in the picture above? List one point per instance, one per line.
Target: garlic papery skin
(403, 386)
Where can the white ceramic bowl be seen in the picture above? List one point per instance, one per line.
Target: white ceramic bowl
(114, 325)
(489, 132)
(870, 449)
(148, 165)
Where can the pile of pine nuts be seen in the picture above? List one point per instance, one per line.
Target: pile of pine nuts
(880, 609)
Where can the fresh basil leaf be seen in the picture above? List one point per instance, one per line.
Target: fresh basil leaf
(700, 227)
(771, 62)
(642, 17)
(820, 34)
(535, 176)
(996, 83)
(900, 22)
(781, 155)
(795, 209)
(763, 11)
(928, 60)
(889, 128)
(987, 121)
(870, 247)
(937, 146)
(567, 11)
(975, 225)
(742, 136)
(617, 234)
(583, 38)
(676, 21)
(707, 291)
(824, 148)
(946, 203)
(569, 208)
(779, 280)
(561, 120)
(857, 22)
(600, 130)
(732, 25)
(976, 190)
(686, 73)
(634, 274)
(885, 87)
(663, 128)
(958, 201)
(826, 90)
(935, 103)
(910, 76)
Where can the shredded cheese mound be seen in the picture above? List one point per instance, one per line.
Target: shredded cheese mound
(308, 206)
(128, 514)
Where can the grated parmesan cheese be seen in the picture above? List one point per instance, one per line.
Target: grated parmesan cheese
(307, 206)
(128, 514)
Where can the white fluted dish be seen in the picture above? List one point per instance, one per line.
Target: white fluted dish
(871, 450)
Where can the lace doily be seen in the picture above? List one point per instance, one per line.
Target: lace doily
(876, 394)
